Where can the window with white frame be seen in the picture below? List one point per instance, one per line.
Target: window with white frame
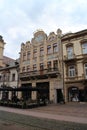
(84, 48)
(71, 71)
(70, 52)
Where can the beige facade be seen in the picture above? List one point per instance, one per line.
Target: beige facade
(41, 65)
(75, 65)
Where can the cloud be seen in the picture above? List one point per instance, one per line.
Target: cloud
(20, 18)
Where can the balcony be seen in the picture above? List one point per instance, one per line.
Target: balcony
(40, 74)
(82, 78)
(69, 58)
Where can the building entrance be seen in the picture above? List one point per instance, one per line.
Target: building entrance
(44, 93)
(59, 96)
(26, 94)
(73, 94)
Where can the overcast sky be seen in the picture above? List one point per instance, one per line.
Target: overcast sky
(20, 18)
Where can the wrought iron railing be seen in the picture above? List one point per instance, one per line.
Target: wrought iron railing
(39, 72)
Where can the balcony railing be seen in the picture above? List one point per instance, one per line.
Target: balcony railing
(40, 73)
(69, 58)
(76, 78)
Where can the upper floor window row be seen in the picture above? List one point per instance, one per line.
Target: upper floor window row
(52, 50)
(26, 56)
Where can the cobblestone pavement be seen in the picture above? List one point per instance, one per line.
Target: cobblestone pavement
(14, 121)
(76, 109)
(72, 112)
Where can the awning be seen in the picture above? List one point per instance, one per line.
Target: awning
(24, 89)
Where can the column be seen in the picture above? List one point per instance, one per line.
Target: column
(65, 93)
(10, 94)
(51, 92)
(34, 93)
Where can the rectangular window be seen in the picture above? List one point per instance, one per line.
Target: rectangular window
(84, 48)
(23, 69)
(48, 49)
(49, 65)
(13, 77)
(28, 55)
(24, 56)
(0, 78)
(28, 68)
(71, 71)
(41, 51)
(34, 67)
(35, 53)
(41, 66)
(55, 48)
(85, 70)
(70, 52)
(55, 64)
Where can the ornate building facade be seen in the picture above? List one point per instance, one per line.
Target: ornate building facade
(75, 65)
(41, 65)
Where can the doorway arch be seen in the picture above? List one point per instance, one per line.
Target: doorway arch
(73, 94)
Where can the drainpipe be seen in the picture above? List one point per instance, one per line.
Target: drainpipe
(60, 54)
